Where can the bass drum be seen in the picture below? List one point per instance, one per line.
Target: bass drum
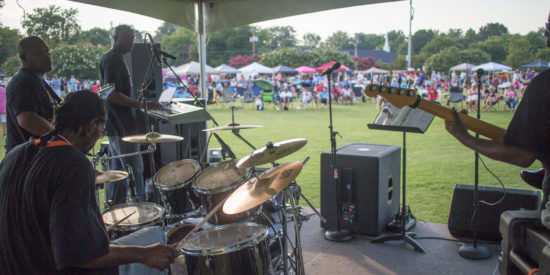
(239, 248)
(216, 183)
(174, 184)
(146, 214)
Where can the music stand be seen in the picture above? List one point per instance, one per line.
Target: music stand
(403, 120)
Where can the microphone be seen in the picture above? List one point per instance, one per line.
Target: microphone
(165, 54)
(154, 49)
(335, 66)
(479, 72)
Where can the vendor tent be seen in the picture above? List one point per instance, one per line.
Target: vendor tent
(226, 69)
(462, 67)
(305, 70)
(191, 68)
(328, 65)
(374, 70)
(284, 69)
(492, 66)
(538, 65)
(256, 68)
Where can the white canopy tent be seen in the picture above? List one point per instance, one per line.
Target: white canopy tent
(492, 66)
(374, 70)
(256, 68)
(226, 69)
(212, 15)
(192, 67)
(462, 67)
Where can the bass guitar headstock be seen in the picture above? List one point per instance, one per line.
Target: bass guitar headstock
(399, 97)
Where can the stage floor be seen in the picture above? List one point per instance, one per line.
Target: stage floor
(360, 256)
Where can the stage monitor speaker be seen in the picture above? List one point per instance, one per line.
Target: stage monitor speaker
(369, 182)
(488, 216)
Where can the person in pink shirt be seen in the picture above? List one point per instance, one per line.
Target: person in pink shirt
(511, 97)
(3, 108)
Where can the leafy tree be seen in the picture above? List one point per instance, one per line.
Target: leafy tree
(536, 40)
(96, 37)
(420, 38)
(311, 40)
(338, 40)
(395, 39)
(240, 61)
(281, 37)
(181, 44)
(8, 43)
(496, 47)
(517, 55)
(399, 63)
(53, 24)
(369, 41)
(365, 63)
(226, 43)
(543, 54)
(452, 56)
(165, 29)
(82, 61)
(470, 36)
(291, 57)
(440, 43)
(11, 65)
(324, 55)
(492, 29)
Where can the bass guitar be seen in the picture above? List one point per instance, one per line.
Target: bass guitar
(401, 97)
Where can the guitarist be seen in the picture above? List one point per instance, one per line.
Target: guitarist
(528, 135)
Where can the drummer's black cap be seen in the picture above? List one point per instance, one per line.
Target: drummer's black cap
(78, 109)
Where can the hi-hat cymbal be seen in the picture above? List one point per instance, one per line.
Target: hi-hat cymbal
(109, 176)
(232, 126)
(259, 189)
(272, 152)
(152, 137)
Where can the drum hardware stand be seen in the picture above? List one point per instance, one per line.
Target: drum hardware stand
(131, 183)
(226, 150)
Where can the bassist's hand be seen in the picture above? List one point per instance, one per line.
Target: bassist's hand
(456, 127)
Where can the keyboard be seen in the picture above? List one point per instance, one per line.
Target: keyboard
(180, 113)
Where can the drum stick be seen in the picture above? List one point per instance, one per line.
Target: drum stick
(180, 244)
(118, 222)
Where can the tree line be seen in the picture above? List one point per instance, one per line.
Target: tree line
(78, 52)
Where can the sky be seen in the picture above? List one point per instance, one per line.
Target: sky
(518, 16)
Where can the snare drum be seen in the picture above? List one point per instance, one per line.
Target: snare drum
(147, 214)
(174, 184)
(216, 183)
(240, 248)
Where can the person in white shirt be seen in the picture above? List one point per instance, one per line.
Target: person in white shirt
(347, 93)
(307, 96)
(286, 97)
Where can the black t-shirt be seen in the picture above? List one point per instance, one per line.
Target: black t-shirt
(121, 120)
(49, 218)
(530, 126)
(26, 92)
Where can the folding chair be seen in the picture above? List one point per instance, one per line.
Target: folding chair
(455, 97)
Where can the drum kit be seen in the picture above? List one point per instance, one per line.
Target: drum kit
(243, 209)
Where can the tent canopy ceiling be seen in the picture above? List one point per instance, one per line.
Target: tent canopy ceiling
(284, 69)
(462, 67)
(539, 64)
(224, 14)
(191, 68)
(492, 66)
(226, 69)
(256, 68)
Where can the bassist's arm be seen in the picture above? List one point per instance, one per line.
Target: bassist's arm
(494, 149)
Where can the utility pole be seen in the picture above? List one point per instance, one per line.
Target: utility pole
(355, 43)
(409, 53)
(253, 40)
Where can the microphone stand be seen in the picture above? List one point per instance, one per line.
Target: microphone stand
(338, 235)
(474, 251)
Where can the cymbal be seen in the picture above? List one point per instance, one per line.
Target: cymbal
(272, 152)
(232, 126)
(259, 189)
(152, 137)
(109, 176)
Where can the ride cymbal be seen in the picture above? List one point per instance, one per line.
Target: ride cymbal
(152, 137)
(272, 152)
(109, 176)
(232, 126)
(259, 189)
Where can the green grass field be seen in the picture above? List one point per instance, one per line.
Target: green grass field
(435, 160)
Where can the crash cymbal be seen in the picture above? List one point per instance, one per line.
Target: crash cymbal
(152, 137)
(232, 126)
(272, 152)
(109, 176)
(259, 189)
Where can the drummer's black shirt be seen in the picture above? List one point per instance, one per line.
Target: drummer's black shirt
(49, 218)
(121, 120)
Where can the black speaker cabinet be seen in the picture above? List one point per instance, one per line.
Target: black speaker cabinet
(369, 181)
(488, 216)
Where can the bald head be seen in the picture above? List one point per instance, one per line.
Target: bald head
(35, 55)
(124, 38)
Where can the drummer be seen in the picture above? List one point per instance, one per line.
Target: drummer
(49, 218)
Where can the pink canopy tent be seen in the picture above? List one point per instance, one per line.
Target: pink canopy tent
(305, 69)
(328, 65)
